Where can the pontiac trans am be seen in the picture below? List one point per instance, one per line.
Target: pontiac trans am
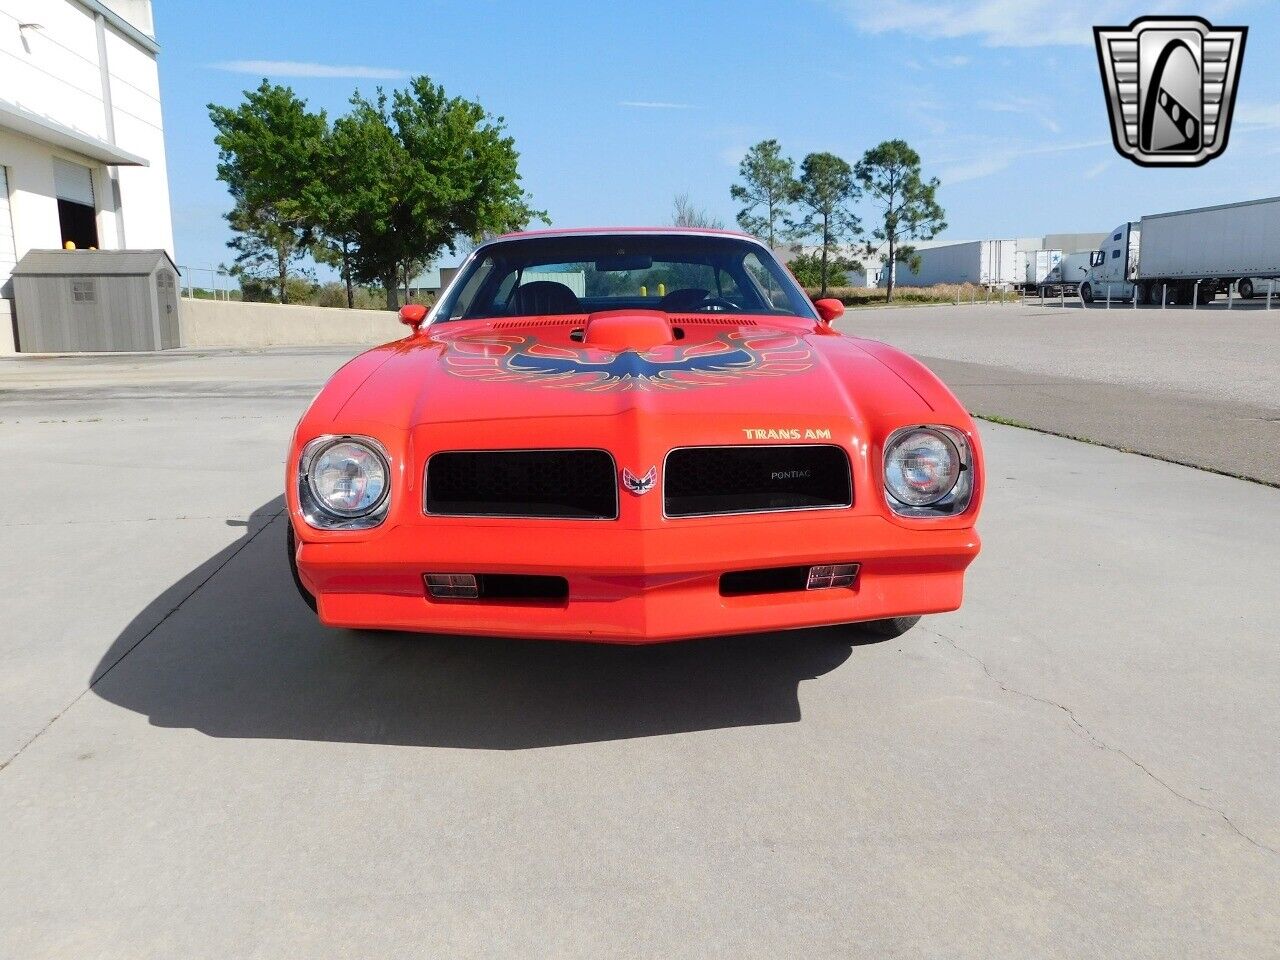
(631, 436)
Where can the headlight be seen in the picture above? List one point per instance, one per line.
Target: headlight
(927, 471)
(343, 482)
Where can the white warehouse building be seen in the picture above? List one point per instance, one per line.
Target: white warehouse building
(81, 137)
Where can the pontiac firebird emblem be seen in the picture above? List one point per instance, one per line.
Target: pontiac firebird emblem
(639, 485)
(1170, 84)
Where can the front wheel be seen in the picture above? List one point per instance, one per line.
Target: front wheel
(886, 629)
(291, 543)
(1086, 292)
(1245, 289)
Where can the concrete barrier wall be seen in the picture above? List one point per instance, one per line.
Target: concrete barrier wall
(212, 323)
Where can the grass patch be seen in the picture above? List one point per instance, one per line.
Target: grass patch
(943, 293)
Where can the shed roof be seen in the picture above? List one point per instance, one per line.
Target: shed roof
(91, 263)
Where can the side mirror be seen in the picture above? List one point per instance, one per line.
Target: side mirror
(412, 315)
(829, 309)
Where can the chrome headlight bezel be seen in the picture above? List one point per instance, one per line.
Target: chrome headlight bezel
(315, 512)
(954, 501)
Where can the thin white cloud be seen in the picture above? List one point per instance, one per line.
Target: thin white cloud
(1097, 170)
(924, 111)
(296, 68)
(975, 168)
(1258, 114)
(939, 63)
(1011, 23)
(657, 105)
(932, 123)
(1036, 109)
(1010, 105)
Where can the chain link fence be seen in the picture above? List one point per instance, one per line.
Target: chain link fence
(220, 287)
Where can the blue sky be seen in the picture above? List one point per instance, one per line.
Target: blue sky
(618, 107)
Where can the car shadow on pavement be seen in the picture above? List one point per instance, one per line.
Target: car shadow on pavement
(231, 650)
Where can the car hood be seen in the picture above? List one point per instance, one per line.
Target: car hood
(767, 373)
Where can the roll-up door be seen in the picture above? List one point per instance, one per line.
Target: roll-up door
(77, 214)
(73, 182)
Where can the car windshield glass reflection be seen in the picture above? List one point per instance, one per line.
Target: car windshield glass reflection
(675, 273)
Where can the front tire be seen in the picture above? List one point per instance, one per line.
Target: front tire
(1245, 289)
(1086, 293)
(888, 629)
(291, 543)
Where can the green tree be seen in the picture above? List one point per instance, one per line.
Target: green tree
(265, 254)
(447, 171)
(269, 149)
(769, 185)
(350, 203)
(890, 175)
(807, 269)
(826, 190)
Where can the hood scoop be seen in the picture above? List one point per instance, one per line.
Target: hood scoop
(620, 330)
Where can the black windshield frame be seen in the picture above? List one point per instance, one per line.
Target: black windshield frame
(483, 288)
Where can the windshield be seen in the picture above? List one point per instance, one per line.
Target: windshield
(677, 273)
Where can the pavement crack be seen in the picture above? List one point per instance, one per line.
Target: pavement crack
(113, 520)
(137, 643)
(1098, 743)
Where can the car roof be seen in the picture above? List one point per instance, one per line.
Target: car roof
(575, 231)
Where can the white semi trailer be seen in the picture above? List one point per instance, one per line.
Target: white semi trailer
(987, 263)
(1069, 273)
(1189, 254)
(1034, 266)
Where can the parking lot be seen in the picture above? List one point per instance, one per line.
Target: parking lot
(1192, 386)
(1079, 763)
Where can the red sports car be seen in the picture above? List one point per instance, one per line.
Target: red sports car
(631, 436)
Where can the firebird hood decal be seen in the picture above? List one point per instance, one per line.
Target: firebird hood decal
(477, 376)
(524, 359)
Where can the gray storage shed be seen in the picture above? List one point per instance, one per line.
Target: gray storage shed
(69, 301)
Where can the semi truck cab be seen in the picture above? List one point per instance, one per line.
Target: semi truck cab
(1071, 272)
(1113, 270)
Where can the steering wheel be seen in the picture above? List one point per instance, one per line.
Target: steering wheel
(718, 303)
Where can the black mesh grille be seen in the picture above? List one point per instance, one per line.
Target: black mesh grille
(772, 580)
(709, 480)
(573, 484)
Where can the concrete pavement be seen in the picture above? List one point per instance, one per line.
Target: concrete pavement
(1192, 386)
(1080, 763)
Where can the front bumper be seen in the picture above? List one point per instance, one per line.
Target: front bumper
(636, 585)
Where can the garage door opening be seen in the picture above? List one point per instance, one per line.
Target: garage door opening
(77, 213)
